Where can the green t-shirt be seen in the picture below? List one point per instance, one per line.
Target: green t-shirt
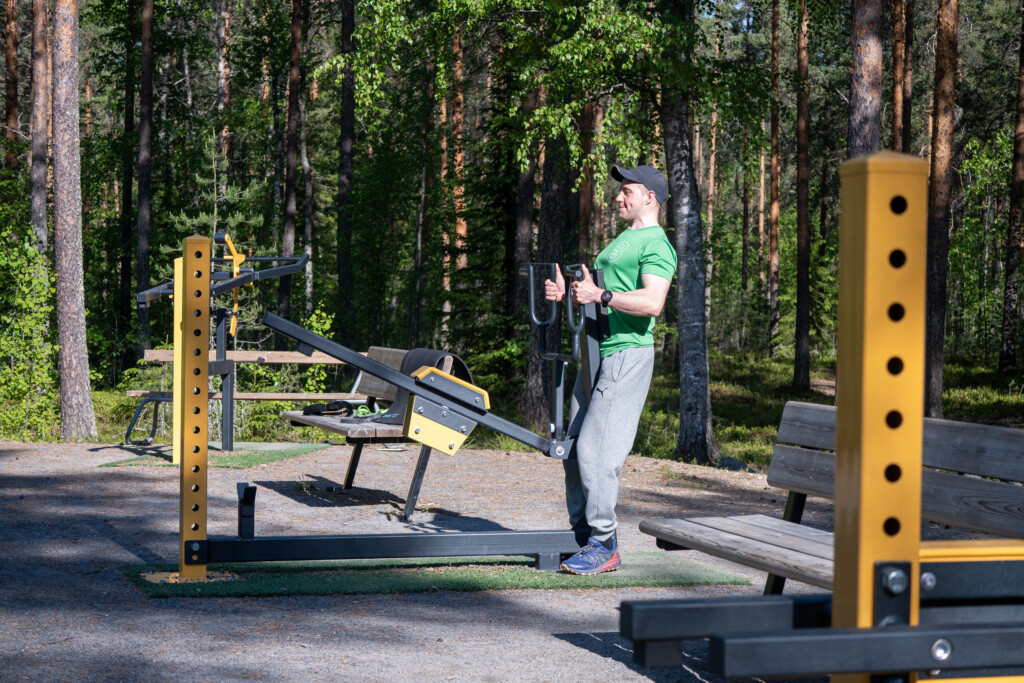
(645, 251)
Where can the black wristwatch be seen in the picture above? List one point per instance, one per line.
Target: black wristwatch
(606, 297)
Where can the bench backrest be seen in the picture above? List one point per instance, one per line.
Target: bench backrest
(972, 473)
(374, 386)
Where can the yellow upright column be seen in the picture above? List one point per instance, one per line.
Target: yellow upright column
(192, 322)
(880, 378)
(179, 359)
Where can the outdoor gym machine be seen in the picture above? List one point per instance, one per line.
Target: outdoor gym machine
(902, 608)
(441, 411)
(219, 282)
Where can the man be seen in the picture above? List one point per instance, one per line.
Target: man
(638, 266)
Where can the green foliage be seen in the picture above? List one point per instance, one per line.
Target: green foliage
(29, 394)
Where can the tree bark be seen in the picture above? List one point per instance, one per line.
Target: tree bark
(865, 126)
(908, 73)
(346, 143)
(39, 122)
(760, 217)
(939, 199)
(744, 268)
(11, 92)
(588, 122)
(459, 147)
(223, 85)
(899, 44)
(284, 300)
(802, 356)
(145, 167)
(1009, 338)
(307, 175)
(775, 173)
(696, 437)
(128, 158)
(709, 258)
(77, 419)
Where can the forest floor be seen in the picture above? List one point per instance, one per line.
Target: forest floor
(68, 613)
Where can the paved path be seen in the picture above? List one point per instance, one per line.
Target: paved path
(66, 612)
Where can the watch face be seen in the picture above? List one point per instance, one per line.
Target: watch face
(606, 296)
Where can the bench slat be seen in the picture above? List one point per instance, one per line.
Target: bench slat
(249, 396)
(766, 522)
(781, 561)
(985, 450)
(283, 357)
(353, 430)
(810, 425)
(804, 471)
(979, 504)
(792, 538)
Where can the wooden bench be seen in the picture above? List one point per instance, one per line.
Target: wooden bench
(357, 434)
(972, 480)
(167, 356)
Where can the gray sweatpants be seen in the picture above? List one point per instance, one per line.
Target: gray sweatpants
(606, 430)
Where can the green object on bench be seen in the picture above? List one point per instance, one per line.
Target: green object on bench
(972, 479)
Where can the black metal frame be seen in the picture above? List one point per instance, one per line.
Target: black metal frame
(226, 282)
(470, 408)
(547, 547)
(971, 625)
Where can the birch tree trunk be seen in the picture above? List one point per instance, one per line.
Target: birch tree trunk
(940, 190)
(77, 419)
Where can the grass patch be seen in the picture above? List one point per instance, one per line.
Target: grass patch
(250, 455)
(349, 577)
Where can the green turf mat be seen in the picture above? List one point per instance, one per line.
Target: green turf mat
(347, 577)
(244, 456)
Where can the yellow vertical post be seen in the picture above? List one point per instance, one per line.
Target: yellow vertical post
(179, 356)
(192, 322)
(880, 379)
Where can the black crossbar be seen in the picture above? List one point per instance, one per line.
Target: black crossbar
(556, 449)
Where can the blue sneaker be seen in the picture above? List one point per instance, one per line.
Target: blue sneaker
(594, 558)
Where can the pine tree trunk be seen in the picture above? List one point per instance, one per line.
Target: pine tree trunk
(588, 121)
(1010, 341)
(223, 85)
(11, 92)
(908, 73)
(865, 127)
(899, 45)
(745, 267)
(145, 167)
(940, 191)
(77, 419)
(128, 158)
(39, 123)
(802, 357)
(696, 437)
(346, 143)
(775, 172)
(458, 143)
(291, 173)
(760, 218)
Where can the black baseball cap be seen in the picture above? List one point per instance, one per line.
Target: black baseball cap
(648, 176)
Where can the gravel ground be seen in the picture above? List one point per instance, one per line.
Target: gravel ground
(66, 612)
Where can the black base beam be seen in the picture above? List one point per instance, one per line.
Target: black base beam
(811, 652)
(544, 545)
